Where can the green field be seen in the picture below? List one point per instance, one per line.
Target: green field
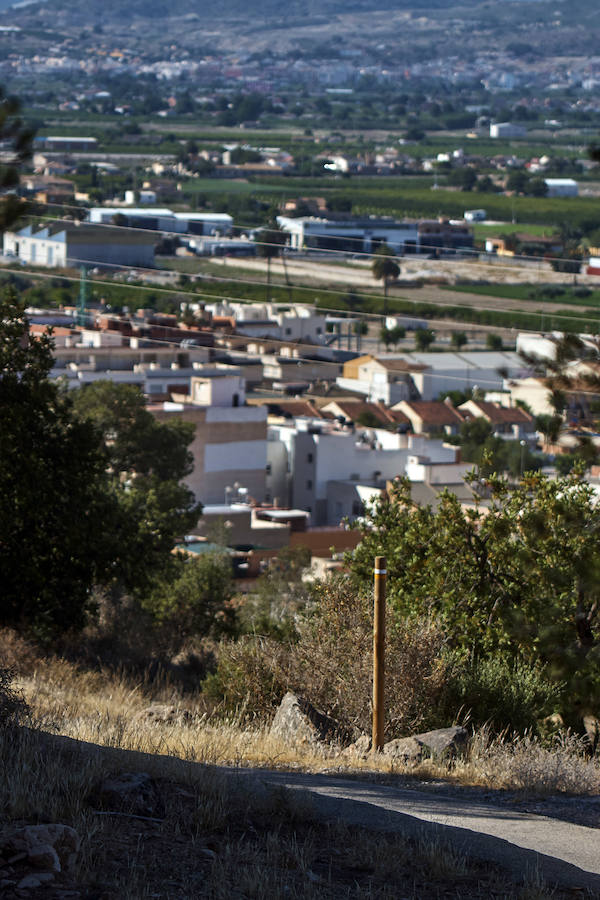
(482, 231)
(529, 292)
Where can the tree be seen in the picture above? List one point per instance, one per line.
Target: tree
(16, 139)
(424, 337)
(458, 339)
(269, 242)
(550, 427)
(385, 268)
(519, 578)
(147, 461)
(55, 503)
(493, 341)
(278, 595)
(195, 598)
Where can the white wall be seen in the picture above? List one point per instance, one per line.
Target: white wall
(235, 455)
(219, 391)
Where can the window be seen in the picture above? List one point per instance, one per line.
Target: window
(309, 457)
(288, 330)
(268, 469)
(309, 484)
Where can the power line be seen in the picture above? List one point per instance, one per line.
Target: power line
(343, 312)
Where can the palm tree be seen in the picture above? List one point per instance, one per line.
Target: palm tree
(385, 268)
(269, 242)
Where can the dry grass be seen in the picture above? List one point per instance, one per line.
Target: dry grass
(102, 709)
(214, 837)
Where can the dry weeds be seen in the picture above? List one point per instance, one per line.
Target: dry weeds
(107, 710)
(211, 837)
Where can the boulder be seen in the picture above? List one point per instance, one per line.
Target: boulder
(35, 880)
(405, 749)
(441, 742)
(360, 747)
(52, 848)
(133, 792)
(297, 722)
(445, 741)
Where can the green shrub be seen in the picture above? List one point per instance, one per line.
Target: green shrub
(500, 693)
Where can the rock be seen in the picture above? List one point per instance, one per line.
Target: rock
(133, 792)
(35, 880)
(298, 722)
(406, 749)
(441, 742)
(445, 741)
(49, 847)
(164, 714)
(360, 747)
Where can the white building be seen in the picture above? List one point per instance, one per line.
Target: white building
(229, 447)
(278, 321)
(391, 378)
(561, 187)
(221, 386)
(163, 219)
(507, 130)
(352, 235)
(62, 244)
(382, 379)
(305, 457)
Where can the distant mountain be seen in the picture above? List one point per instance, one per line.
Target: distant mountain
(440, 28)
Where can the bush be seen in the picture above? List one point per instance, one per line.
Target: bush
(502, 694)
(12, 705)
(330, 664)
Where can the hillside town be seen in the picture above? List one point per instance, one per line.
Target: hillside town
(299, 450)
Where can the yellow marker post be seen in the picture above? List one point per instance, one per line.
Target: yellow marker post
(380, 575)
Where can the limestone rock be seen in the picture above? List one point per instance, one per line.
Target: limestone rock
(441, 742)
(407, 749)
(297, 722)
(53, 848)
(134, 792)
(445, 741)
(360, 747)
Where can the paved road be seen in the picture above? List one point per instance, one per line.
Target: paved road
(563, 853)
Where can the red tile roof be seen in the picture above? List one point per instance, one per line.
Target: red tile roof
(435, 412)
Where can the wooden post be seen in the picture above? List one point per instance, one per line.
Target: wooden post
(380, 574)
